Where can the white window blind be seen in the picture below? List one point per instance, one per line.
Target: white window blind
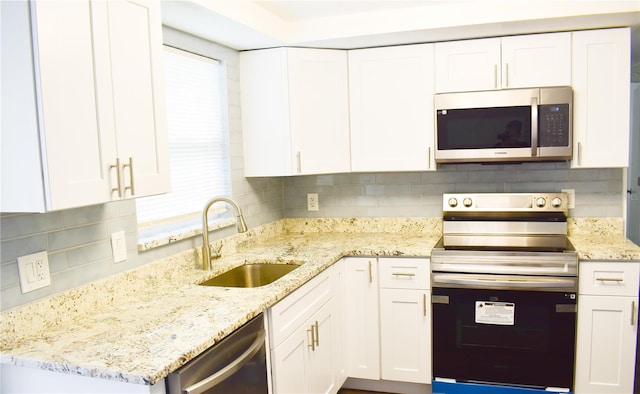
(198, 140)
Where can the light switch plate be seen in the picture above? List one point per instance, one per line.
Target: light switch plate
(34, 271)
(118, 246)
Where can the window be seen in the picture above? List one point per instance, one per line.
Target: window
(198, 148)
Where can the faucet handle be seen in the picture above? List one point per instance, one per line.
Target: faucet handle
(215, 253)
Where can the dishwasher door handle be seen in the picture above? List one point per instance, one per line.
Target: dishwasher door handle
(230, 369)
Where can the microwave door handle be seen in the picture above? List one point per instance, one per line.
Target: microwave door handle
(534, 126)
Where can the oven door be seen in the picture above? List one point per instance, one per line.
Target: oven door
(514, 337)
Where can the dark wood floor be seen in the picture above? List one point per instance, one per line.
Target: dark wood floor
(351, 391)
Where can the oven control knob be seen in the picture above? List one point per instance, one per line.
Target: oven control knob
(540, 202)
(453, 202)
(556, 202)
(467, 202)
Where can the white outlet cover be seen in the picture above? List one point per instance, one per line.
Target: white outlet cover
(34, 271)
(312, 202)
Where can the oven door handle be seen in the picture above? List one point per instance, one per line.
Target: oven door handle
(511, 282)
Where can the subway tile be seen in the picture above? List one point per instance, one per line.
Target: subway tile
(76, 236)
(14, 226)
(86, 254)
(14, 248)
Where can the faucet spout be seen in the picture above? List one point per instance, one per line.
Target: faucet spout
(241, 226)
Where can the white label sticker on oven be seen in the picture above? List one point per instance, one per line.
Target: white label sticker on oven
(489, 312)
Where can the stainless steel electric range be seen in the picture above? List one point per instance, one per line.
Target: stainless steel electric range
(504, 280)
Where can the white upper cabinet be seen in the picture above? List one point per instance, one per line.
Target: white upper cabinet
(97, 99)
(295, 111)
(391, 106)
(601, 98)
(503, 63)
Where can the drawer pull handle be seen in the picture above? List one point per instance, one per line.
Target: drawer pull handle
(633, 313)
(317, 333)
(370, 273)
(403, 274)
(618, 280)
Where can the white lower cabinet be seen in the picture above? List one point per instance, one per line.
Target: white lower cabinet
(362, 342)
(304, 338)
(388, 319)
(405, 320)
(607, 327)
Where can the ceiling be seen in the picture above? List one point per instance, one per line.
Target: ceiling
(349, 24)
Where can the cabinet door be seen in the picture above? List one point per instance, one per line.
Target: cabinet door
(362, 318)
(264, 100)
(601, 89)
(391, 95)
(322, 376)
(536, 60)
(77, 139)
(319, 110)
(606, 344)
(290, 364)
(135, 44)
(467, 65)
(405, 335)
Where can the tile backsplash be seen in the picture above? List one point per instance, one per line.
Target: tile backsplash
(419, 194)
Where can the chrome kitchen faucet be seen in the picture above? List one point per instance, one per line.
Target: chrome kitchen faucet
(206, 250)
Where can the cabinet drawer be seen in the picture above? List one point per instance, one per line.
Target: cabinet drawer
(289, 314)
(608, 278)
(404, 273)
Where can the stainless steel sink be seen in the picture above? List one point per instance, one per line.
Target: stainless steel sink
(251, 275)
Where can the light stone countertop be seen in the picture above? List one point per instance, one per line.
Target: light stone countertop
(141, 325)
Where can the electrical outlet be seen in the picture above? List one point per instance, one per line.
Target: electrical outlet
(118, 246)
(571, 194)
(34, 271)
(312, 202)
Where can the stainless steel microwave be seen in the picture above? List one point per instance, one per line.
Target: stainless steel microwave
(515, 125)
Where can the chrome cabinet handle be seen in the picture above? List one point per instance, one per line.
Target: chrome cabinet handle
(131, 184)
(633, 313)
(299, 162)
(495, 76)
(429, 158)
(118, 188)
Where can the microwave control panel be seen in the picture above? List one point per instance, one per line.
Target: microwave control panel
(553, 125)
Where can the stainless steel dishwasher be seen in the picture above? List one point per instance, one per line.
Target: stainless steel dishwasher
(236, 365)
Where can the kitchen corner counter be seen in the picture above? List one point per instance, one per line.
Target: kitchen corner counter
(139, 326)
(601, 239)
(605, 247)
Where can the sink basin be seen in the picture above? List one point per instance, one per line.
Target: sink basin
(251, 275)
